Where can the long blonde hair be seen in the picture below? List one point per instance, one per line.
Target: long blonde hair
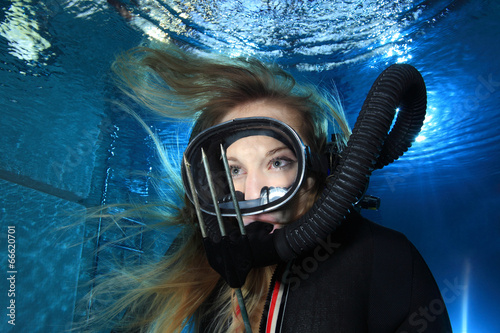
(166, 296)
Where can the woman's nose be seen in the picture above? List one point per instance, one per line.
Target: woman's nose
(254, 183)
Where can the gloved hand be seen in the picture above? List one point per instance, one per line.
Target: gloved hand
(234, 255)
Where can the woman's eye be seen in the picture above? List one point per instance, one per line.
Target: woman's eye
(235, 171)
(280, 163)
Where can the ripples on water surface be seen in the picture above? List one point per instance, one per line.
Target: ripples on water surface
(348, 43)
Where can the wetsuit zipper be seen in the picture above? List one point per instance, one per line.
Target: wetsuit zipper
(278, 270)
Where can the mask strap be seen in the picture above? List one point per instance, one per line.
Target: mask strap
(255, 132)
(323, 164)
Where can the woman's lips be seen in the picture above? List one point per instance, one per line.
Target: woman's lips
(266, 218)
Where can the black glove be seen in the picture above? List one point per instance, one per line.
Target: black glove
(234, 255)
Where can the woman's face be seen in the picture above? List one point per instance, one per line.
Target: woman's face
(261, 165)
(259, 162)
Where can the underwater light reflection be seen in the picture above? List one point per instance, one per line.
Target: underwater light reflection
(465, 298)
(22, 32)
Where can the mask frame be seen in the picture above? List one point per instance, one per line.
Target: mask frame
(222, 135)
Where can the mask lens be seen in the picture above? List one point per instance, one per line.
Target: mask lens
(263, 169)
(266, 165)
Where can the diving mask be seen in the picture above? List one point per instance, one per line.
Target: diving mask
(266, 159)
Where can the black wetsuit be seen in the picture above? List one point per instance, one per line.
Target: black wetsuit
(364, 278)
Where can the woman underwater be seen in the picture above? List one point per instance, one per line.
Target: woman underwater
(362, 278)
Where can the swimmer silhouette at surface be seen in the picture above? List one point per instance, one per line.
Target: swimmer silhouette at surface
(121, 8)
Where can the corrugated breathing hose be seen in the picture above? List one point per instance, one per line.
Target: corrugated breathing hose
(372, 145)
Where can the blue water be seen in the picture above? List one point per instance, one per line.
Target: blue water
(64, 145)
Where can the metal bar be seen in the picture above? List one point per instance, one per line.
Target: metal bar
(213, 193)
(196, 203)
(243, 310)
(233, 192)
(239, 295)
